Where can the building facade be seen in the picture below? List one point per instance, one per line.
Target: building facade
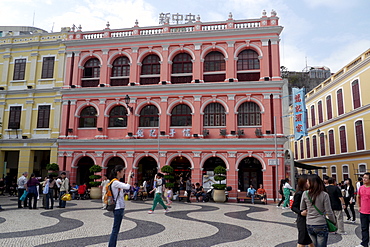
(337, 118)
(32, 74)
(193, 96)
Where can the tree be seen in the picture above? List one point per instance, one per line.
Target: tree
(94, 169)
(219, 175)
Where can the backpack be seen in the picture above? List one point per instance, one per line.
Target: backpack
(109, 200)
(163, 183)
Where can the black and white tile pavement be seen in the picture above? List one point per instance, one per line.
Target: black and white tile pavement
(84, 223)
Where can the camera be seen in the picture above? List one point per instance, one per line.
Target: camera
(132, 175)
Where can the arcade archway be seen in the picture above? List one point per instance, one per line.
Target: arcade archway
(250, 172)
(147, 168)
(181, 168)
(83, 171)
(208, 167)
(114, 161)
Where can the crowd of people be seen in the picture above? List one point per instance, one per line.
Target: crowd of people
(317, 200)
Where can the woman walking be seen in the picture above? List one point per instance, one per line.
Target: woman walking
(349, 200)
(117, 191)
(287, 188)
(32, 191)
(316, 197)
(49, 196)
(303, 237)
(282, 182)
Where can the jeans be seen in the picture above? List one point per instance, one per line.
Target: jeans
(318, 234)
(49, 197)
(365, 221)
(118, 216)
(30, 197)
(251, 196)
(62, 203)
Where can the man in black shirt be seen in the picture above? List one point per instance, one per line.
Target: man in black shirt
(337, 204)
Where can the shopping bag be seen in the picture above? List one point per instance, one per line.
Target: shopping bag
(66, 197)
(24, 196)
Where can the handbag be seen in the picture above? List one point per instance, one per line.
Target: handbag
(66, 197)
(24, 196)
(329, 223)
(46, 189)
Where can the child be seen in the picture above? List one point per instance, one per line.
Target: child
(169, 196)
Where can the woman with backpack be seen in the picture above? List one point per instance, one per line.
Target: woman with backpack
(117, 188)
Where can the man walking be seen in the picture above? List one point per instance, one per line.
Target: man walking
(337, 204)
(158, 193)
(64, 188)
(22, 186)
(188, 189)
(363, 199)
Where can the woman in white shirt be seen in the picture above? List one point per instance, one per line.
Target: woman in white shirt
(117, 190)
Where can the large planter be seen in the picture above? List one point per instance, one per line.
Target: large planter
(95, 193)
(219, 195)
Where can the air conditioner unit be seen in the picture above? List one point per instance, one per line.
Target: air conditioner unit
(100, 129)
(102, 85)
(195, 135)
(163, 133)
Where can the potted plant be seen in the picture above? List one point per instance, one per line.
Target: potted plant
(219, 189)
(168, 170)
(95, 192)
(53, 169)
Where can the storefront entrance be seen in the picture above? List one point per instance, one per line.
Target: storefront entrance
(83, 171)
(207, 173)
(250, 172)
(113, 162)
(147, 168)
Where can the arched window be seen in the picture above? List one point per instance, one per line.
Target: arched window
(360, 143)
(319, 108)
(214, 115)
(322, 144)
(120, 72)
(182, 69)
(314, 146)
(181, 115)
(249, 114)
(214, 62)
(362, 168)
(118, 117)
(334, 172)
(343, 139)
(313, 122)
(356, 94)
(329, 110)
(331, 142)
(301, 148)
(88, 117)
(345, 172)
(340, 102)
(150, 70)
(248, 60)
(308, 148)
(91, 73)
(324, 170)
(149, 116)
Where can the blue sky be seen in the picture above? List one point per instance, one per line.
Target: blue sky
(326, 32)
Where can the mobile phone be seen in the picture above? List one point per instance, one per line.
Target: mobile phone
(132, 174)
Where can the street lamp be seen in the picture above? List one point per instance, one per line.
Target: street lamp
(127, 101)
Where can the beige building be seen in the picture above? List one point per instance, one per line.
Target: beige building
(338, 120)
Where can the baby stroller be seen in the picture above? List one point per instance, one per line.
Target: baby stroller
(83, 192)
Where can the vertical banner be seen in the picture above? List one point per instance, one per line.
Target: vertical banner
(299, 113)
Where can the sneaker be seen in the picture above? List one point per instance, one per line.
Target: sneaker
(283, 207)
(278, 206)
(359, 245)
(343, 233)
(353, 221)
(150, 211)
(166, 210)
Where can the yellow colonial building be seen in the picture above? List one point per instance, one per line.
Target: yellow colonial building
(338, 121)
(32, 72)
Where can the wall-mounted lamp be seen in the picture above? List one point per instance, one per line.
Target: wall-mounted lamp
(127, 101)
(130, 134)
(163, 133)
(100, 129)
(318, 131)
(195, 135)
(70, 130)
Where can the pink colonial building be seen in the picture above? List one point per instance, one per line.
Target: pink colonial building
(193, 96)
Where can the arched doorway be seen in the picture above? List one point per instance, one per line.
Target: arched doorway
(181, 168)
(250, 172)
(208, 168)
(147, 168)
(114, 161)
(83, 171)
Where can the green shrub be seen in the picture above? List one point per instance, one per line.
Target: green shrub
(219, 175)
(52, 167)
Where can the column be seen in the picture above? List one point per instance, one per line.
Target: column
(232, 175)
(104, 69)
(134, 70)
(27, 122)
(196, 161)
(72, 118)
(69, 70)
(267, 124)
(60, 68)
(197, 117)
(197, 64)
(76, 78)
(25, 163)
(6, 72)
(165, 75)
(275, 59)
(230, 117)
(230, 63)
(63, 119)
(55, 130)
(32, 71)
(163, 118)
(264, 60)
